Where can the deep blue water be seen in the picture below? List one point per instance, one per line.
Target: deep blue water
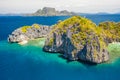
(29, 62)
(10, 23)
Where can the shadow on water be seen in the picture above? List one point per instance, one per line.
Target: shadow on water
(85, 63)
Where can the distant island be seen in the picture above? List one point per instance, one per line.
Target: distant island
(76, 38)
(48, 11)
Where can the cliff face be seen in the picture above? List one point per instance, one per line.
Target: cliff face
(78, 38)
(28, 33)
(48, 11)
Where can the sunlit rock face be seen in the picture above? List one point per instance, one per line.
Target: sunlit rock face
(78, 38)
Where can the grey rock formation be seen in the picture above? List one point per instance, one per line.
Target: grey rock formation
(93, 52)
(87, 45)
(62, 44)
(17, 36)
(31, 33)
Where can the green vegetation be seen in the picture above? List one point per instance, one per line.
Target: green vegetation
(51, 42)
(78, 21)
(112, 30)
(36, 26)
(24, 28)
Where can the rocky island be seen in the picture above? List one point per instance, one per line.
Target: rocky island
(76, 38)
(25, 33)
(48, 11)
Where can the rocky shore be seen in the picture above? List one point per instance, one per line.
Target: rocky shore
(23, 34)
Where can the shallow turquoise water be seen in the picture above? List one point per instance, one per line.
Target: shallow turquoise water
(29, 62)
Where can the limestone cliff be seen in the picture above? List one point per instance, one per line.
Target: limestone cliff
(78, 38)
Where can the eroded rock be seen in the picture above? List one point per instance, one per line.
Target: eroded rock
(26, 33)
(78, 38)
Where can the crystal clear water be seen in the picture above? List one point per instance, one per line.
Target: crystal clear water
(29, 62)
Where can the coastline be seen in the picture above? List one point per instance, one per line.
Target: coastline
(23, 42)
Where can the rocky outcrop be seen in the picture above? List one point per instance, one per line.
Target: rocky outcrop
(17, 36)
(78, 38)
(48, 11)
(93, 51)
(26, 33)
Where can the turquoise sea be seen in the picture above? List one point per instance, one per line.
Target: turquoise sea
(29, 62)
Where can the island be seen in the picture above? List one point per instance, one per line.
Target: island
(25, 33)
(76, 38)
(48, 11)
